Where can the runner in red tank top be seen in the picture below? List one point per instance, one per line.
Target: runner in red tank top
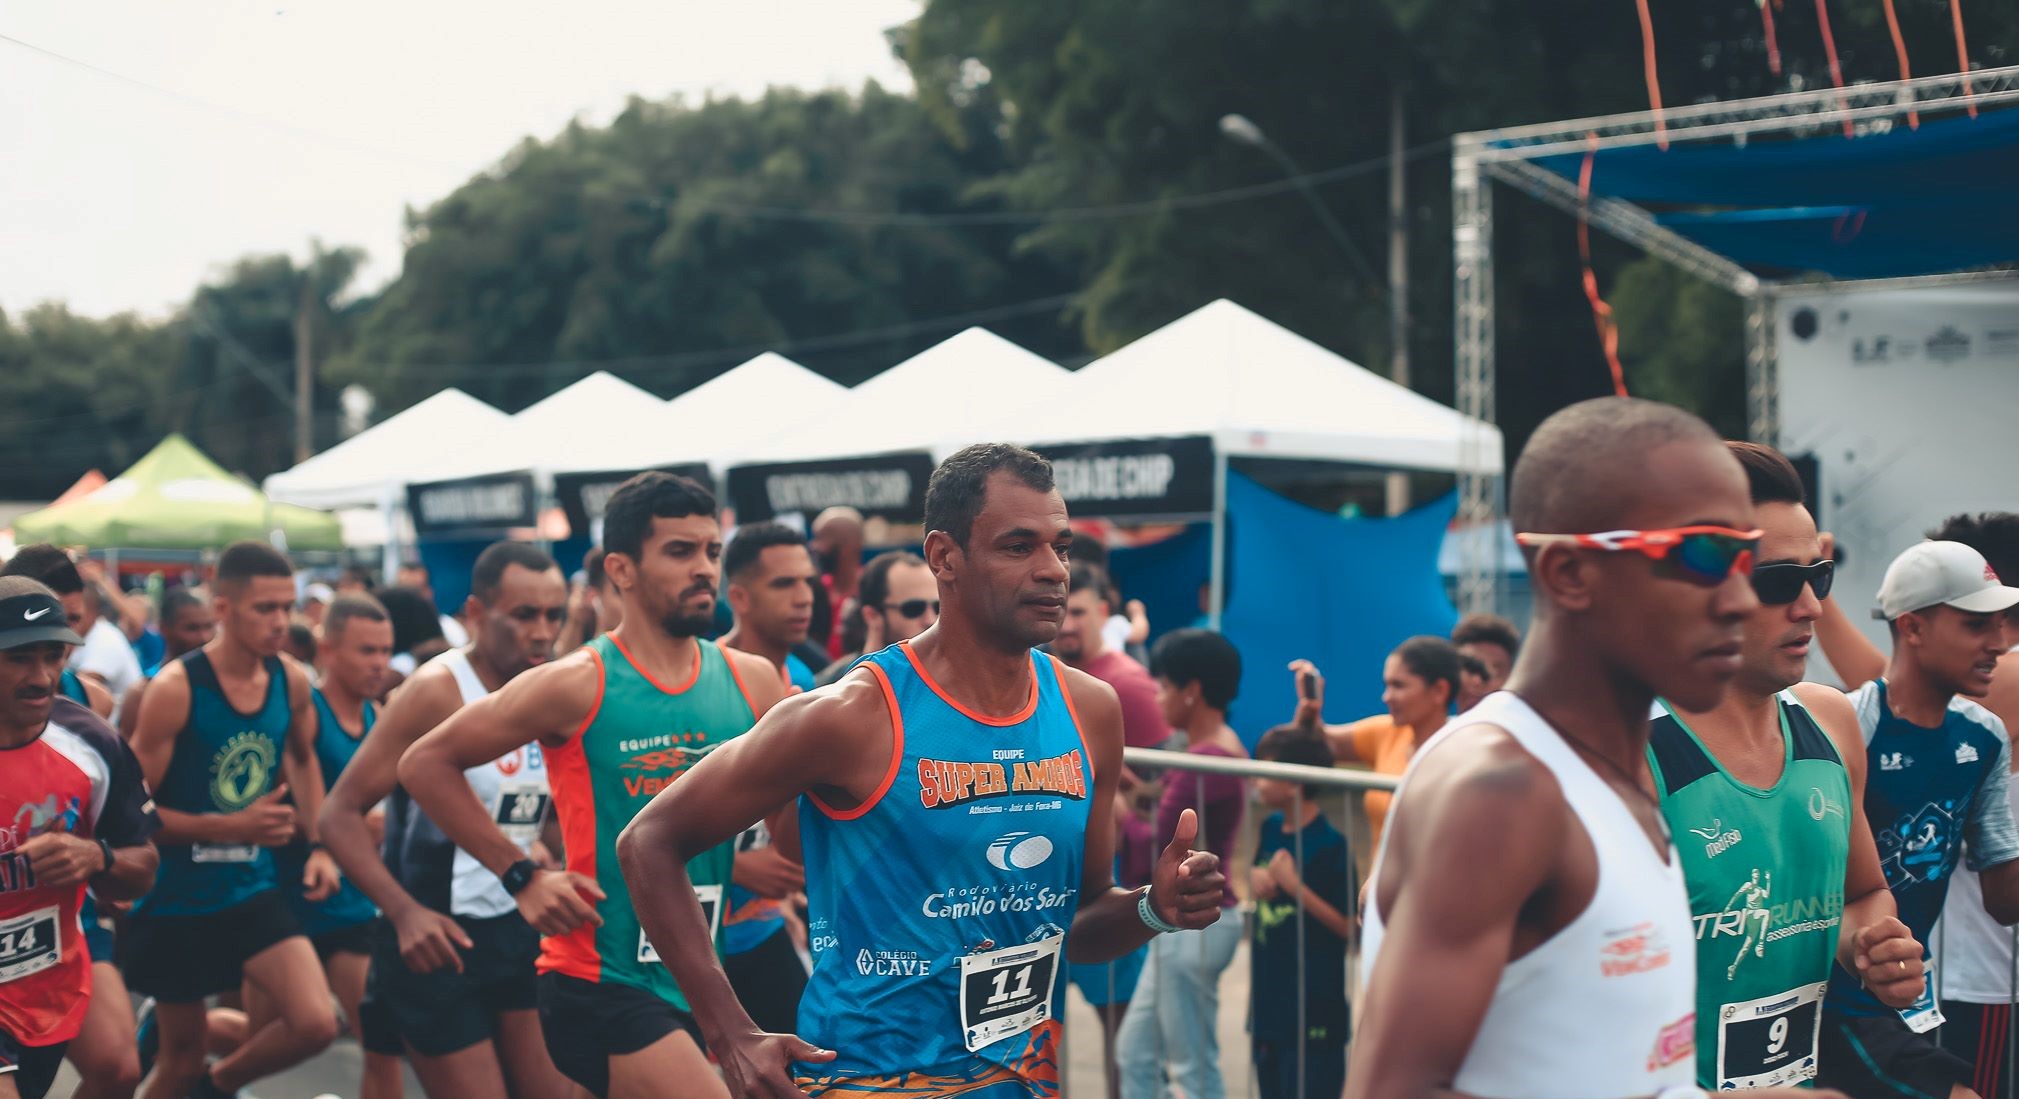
(73, 811)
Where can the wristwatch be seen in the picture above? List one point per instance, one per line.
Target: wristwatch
(105, 848)
(518, 875)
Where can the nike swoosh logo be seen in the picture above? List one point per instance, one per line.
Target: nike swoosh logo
(30, 616)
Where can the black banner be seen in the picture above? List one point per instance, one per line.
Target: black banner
(1166, 477)
(489, 503)
(891, 486)
(583, 496)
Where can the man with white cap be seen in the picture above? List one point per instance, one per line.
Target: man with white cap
(1938, 775)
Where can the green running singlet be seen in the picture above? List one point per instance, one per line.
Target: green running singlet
(641, 737)
(1765, 869)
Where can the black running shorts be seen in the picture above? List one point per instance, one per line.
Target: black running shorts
(586, 1023)
(441, 1012)
(182, 959)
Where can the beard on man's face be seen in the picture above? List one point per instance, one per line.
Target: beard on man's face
(687, 623)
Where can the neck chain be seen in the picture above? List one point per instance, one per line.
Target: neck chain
(1633, 782)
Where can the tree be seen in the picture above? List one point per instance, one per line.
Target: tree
(666, 248)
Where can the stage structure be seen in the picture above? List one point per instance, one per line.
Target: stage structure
(1900, 185)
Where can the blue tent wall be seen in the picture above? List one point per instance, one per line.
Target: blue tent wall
(449, 562)
(1342, 592)
(1166, 576)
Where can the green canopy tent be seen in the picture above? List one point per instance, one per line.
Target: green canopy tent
(176, 498)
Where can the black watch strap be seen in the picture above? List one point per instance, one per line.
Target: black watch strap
(105, 848)
(517, 876)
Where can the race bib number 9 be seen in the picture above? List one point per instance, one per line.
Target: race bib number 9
(1771, 1041)
(1006, 992)
(223, 852)
(28, 944)
(711, 910)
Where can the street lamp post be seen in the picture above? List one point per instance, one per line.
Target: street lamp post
(1240, 128)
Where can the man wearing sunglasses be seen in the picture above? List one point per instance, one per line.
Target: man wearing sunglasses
(1528, 928)
(1763, 793)
(899, 599)
(1938, 777)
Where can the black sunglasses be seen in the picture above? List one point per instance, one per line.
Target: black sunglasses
(1779, 584)
(913, 608)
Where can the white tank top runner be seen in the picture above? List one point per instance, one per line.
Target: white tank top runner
(514, 789)
(1606, 1007)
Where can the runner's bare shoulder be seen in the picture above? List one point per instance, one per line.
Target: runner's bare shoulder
(1477, 805)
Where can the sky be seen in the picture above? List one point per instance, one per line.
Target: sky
(231, 127)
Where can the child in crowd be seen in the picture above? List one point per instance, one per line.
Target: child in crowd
(1299, 858)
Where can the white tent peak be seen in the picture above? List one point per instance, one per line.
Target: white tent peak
(939, 400)
(1259, 389)
(767, 378)
(969, 363)
(362, 469)
(579, 402)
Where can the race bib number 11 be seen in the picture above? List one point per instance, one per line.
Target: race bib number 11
(1008, 991)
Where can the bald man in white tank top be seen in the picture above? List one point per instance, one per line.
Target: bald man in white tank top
(1528, 931)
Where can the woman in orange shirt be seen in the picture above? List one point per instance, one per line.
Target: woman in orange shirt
(1419, 681)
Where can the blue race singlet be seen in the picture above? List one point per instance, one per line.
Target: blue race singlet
(939, 907)
(224, 761)
(348, 906)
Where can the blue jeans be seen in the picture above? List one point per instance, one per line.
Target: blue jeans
(1174, 1018)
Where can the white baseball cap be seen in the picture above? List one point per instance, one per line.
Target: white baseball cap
(318, 593)
(1945, 573)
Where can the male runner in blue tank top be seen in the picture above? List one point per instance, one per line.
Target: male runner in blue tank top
(957, 793)
(452, 977)
(219, 729)
(354, 647)
(1936, 796)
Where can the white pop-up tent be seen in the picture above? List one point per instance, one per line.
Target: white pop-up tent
(715, 420)
(1257, 389)
(373, 467)
(1148, 430)
(873, 448)
(544, 436)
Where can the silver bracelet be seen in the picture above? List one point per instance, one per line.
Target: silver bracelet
(1147, 912)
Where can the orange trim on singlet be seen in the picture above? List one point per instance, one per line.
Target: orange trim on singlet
(738, 677)
(602, 683)
(1072, 711)
(1017, 718)
(692, 678)
(896, 755)
(575, 953)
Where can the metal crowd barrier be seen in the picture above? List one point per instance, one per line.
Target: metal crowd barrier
(1077, 1082)
(1236, 1059)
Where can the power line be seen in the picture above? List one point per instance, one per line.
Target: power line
(230, 112)
(683, 359)
(860, 218)
(1139, 208)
